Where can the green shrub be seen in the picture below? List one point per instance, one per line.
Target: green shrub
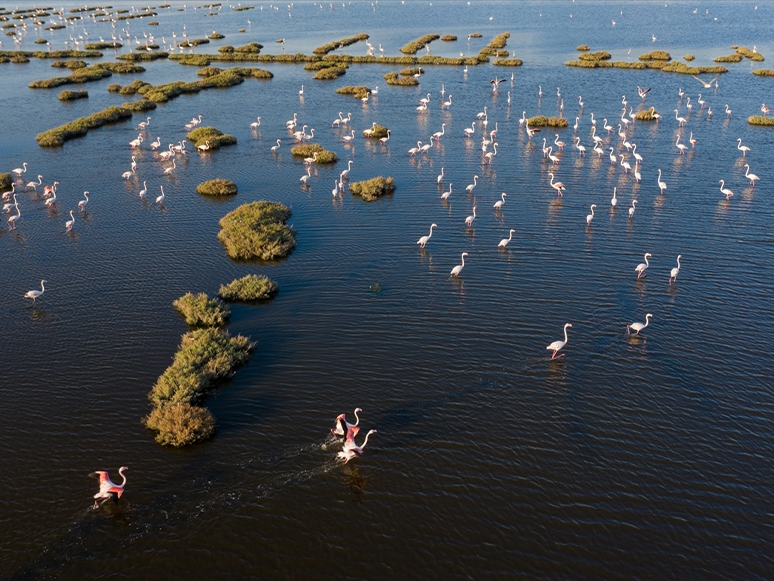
(541, 121)
(359, 92)
(83, 75)
(102, 45)
(181, 424)
(377, 132)
(764, 72)
(583, 47)
(329, 73)
(309, 149)
(689, 57)
(216, 36)
(120, 68)
(193, 42)
(499, 41)
(139, 106)
(326, 64)
(5, 182)
(153, 23)
(196, 60)
(374, 188)
(40, 41)
(731, 58)
(475, 35)
(682, 68)
(326, 48)
(217, 187)
(249, 288)
(143, 56)
(420, 43)
(133, 87)
(20, 60)
(760, 120)
(69, 65)
(748, 54)
(202, 311)
(216, 137)
(209, 72)
(656, 55)
(411, 71)
(507, 62)
(73, 95)
(257, 231)
(394, 78)
(448, 37)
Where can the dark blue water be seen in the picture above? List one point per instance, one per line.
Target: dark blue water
(633, 457)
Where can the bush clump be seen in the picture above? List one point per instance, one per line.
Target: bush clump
(195, 60)
(309, 149)
(394, 78)
(689, 57)
(331, 46)
(139, 106)
(748, 54)
(153, 23)
(216, 36)
(202, 311)
(418, 44)
(249, 288)
(217, 187)
(359, 92)
(600, 55)
(656, 55)
(257, 231)
(764, 72)
(102, 45)
(376, 132)
(647, 115)
(761, 120)
(475, 35)
(582, 47)
(731, 58)
(40, 41)
(216, 137)
(20, 60)
(448, 38)
(372, 189)
(329, 73)
(82, 75)
(541, 121)
(507, 62)
(69, 65)
(411, 71)
(181, 424)
(57, 136)
(73, 95)
(326, 64)
(208, 72)
(683, 69)
(5, 181)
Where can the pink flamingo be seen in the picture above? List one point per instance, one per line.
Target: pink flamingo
(107, 488)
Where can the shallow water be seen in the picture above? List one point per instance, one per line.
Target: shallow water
(630, 458)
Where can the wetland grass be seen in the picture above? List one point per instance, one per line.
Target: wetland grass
(307, 150)
(418, 44)
(331, 46)
(394, 78)
(57, 136)
(215, 36)
(541, 121)
(330, 73)
(689, 58)
(411, 71)
(647, 115)
(656, 55)
(5, 181)
(764, 72)
(217, 187)
(72, 65)
(761, 121)
(257, 231)
(448, 38)
(507, 62)
(582, 47)
(202, 311)
(248, 289)
(376, 132)
(359, 92)
(372, 189)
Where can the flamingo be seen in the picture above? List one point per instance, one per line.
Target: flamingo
(339, 429)
(345, 172)
(205, 147)
(498, 205)
(593, 121)
(631, 210)
(597, 139)
(107, 489)
(636, 155)
(47, 190)
(351, 449)
(52, 200)
(482, 114)
(692, 141)
(458, 269)
(556, 345)
(292, 123)
(144, 190)
(681, 120)
(504, 242)
(681, 146)
(625, 164)
(447, 104)
(255, 124)
(440, 177)
(82, 203)
(661, 185)
(590, 217)
(607, 126)
(160, 199)
(335, 190)
(469, 219)
(743, 148)
(423, 241)
(765, 110)
(301, 92)
(642, 92)
(701, 101)
(642, 266)
(445, 195)
(470, 187)
(558, 186)
(20, 170)
(34, 294)
(675, 271)
(523, 118)
(724, 190)
(70, 223)
(491, 154)
(7, 195)
(469, 131)
(614, 201)
(530, 130)
(143, 124)
(728, 111)
(581, 149)
(156, 144)
(438, 134)
(554, 158)
(613, 158)
(306, 176)
(349, 138)
(12, 219)
(337, 122)
(384, 140)
(559, 144)
(309, 160)
(34, 185)
(638, 326)
(750, 176)
(637, 174)
(274, 148)
(169, 170)
(415, 150)
(368, 132)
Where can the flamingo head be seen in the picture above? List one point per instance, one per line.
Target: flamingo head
(358, 409)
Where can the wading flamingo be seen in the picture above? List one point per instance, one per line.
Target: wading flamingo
(340, 430)
(423, 241)
(642, 266)
(504, 242)
(556, 345)
(34, 294)
(458, 269)
(638, 326)
(107, 489)
(590, 217)
(675, 271)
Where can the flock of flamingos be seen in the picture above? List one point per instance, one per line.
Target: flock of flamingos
(620, 157)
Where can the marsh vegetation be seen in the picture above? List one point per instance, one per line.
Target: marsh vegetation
(257, 231)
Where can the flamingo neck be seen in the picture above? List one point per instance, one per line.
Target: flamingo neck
(565, 333)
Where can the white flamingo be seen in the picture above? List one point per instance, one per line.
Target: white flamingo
(82, 203)
(590, 217)
(34, 185)
(504, 242)
(107, 489)
(423, 241)
(631, 210)
(469, 219)
(661, 185)
(70, 223)
(643, 266)
(340, 430)
(160, 199)
(614, 201)
(499, 204)
(556, 345)
(458, 269)
(638, 326)
(675, 271)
